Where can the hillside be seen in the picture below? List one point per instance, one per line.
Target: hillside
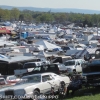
(68, 10)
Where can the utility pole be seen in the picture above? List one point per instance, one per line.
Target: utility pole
(20, 30)
(97, 29)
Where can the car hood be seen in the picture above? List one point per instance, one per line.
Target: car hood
(19, 86)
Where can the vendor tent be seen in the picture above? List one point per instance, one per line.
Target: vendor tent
(47, 45)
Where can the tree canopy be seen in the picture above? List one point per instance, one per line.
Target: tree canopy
(49, 17)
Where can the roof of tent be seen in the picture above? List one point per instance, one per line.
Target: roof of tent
(17, 59)
(2, 43)
(47, 54)
(47, 44)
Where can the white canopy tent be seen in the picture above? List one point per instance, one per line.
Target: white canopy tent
(46, 44)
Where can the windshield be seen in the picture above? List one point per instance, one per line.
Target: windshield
(30, 79)
(12, 77)
(69, 63)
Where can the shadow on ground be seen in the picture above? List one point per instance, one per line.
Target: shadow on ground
(84, 92)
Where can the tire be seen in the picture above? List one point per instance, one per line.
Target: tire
(74, 71)
(36, 95)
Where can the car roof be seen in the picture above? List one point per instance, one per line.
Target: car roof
(33, 62)
(39, 74)
(11, 76)
(2, 78)
(74, 60)
(58, 63)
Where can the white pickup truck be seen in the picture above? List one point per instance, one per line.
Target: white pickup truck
(28, 67)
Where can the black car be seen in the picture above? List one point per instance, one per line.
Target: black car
(55, 68)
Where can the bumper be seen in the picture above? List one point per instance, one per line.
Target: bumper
(17, 97)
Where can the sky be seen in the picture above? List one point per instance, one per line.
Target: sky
(80, 4)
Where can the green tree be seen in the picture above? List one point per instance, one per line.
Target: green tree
(6, 14)
(21, 17)
(28, 17)
(46, 17)
(15, 14)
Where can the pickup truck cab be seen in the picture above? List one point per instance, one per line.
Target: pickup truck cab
(28, 67)
(74, 65)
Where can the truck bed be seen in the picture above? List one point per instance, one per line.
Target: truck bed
(22, 71)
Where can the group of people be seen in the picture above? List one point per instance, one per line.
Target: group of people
(76, 84)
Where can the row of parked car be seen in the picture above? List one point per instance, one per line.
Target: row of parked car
(8, 80)
(36, 78)
(34, 85)
(68, 67)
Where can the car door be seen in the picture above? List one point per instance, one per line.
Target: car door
(80, 66)
(56, 81)
(48, 82)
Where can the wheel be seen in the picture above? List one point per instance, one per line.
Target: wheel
(36, 95)
(74, 71)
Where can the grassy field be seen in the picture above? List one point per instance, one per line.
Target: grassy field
(85, 94)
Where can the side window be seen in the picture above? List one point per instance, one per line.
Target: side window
(76, 62)
(45, 68)
(52, 77)
(46, 78)
(62, 66)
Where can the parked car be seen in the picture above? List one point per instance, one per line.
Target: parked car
(62, 68)
(35, 84)
(55, 68)
(4, 83)
(12, 79)
(74, 66)
(30, 39)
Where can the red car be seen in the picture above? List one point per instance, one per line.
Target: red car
(12, 79)
(3, 83)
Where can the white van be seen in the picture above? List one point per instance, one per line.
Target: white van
(74, 65)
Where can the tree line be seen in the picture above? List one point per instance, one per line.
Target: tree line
(49, 17)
